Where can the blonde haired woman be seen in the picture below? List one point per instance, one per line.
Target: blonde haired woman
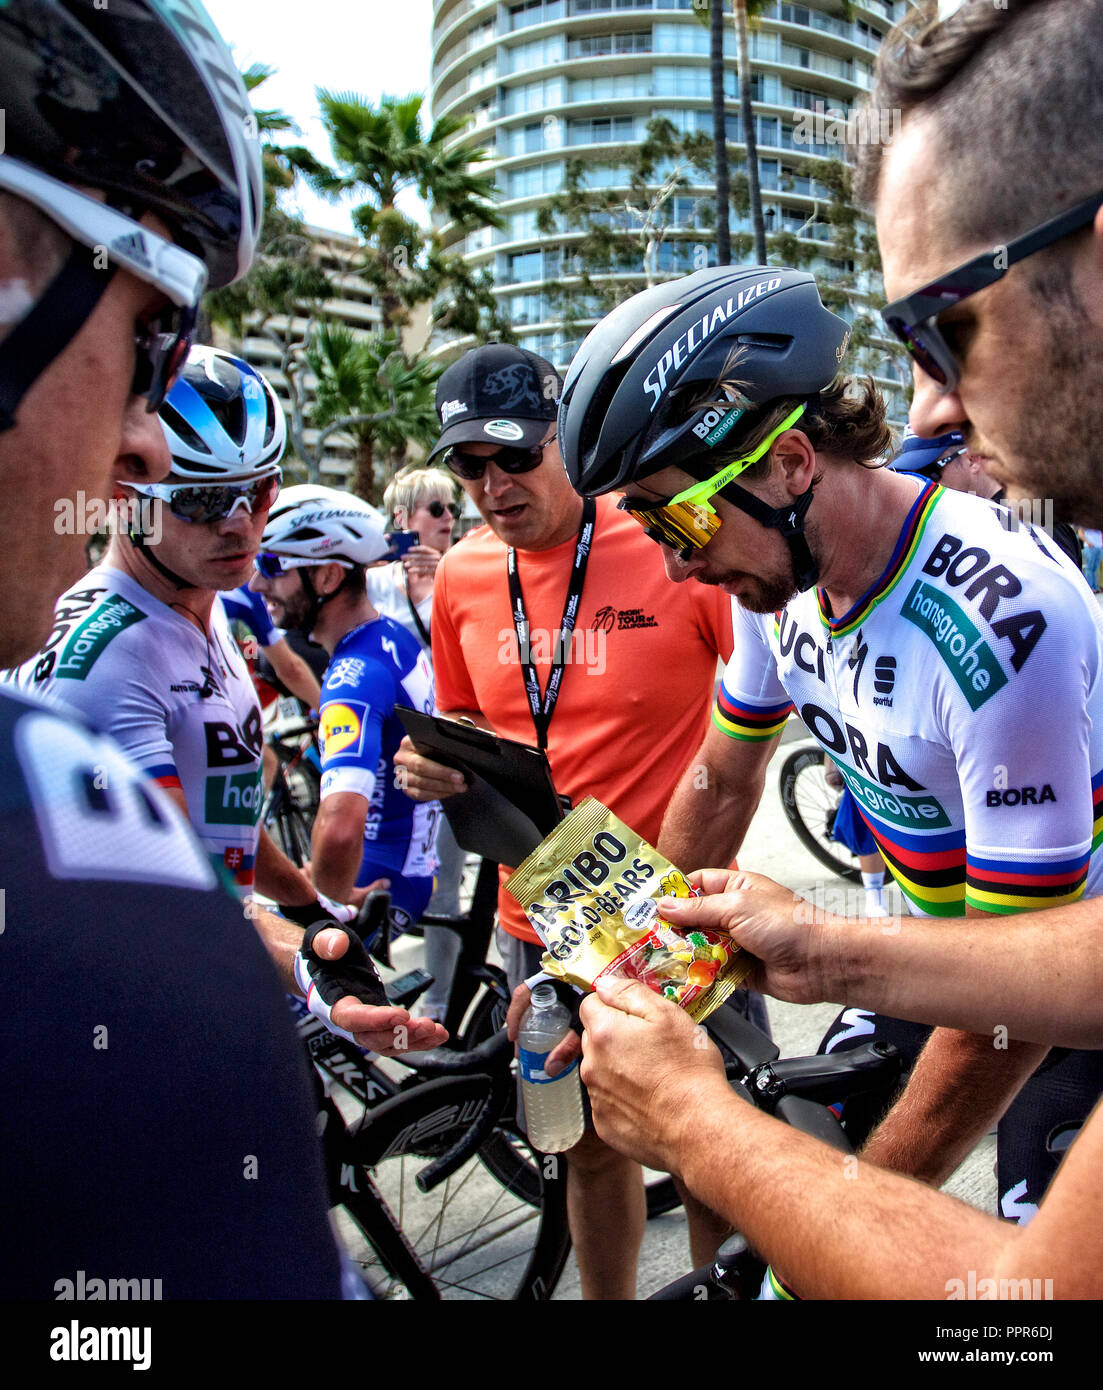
(421, 500)
(424, 500)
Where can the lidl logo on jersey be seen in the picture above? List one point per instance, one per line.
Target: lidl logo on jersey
(342, 728)
(86, 643)
(233, 798)
(968, 658)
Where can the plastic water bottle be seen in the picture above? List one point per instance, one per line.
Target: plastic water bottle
(553, 1104)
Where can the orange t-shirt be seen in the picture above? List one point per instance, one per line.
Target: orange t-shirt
(636, 688)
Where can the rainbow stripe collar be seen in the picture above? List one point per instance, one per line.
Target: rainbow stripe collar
(902, 555)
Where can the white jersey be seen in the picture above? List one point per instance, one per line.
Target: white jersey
(181, 704)
(961, 699)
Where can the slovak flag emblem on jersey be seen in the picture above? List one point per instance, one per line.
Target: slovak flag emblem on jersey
(233, 858)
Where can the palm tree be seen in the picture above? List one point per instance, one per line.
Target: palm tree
(367, 388)
(379, 151)
(742, 11)
(719, 132)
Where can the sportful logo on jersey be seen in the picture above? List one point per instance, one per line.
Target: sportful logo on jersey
(86, 643)
(698, 333)
(968, 658)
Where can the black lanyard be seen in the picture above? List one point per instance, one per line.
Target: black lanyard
(543, 708)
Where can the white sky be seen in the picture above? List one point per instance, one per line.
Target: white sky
(373, 48)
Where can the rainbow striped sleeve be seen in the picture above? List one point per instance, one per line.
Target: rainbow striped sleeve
(1097, 810)
(1010, 885)
(751, 723)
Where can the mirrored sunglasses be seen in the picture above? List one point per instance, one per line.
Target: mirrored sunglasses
(206, 502)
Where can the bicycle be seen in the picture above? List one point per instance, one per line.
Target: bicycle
(438, 1192)
(811, 805)
(291, 802)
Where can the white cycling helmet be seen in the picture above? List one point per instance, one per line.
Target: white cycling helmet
(314, 525)
(222, 420)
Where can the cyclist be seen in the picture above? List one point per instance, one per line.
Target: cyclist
(976, 618)
(141, 647)
(311, 573)
(242, 605)
(120, 196)
(424, 500)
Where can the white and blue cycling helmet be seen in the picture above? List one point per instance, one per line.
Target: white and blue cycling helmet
(222, 420)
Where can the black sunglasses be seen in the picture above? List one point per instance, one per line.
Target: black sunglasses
(436, 509)
(914, 319)
(510, 459)
(162, 342)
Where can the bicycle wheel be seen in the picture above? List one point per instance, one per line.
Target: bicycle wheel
(288, 825)
(810, 806)
(472, 1236)
(514, 1166)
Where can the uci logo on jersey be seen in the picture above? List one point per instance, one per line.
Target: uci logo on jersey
(342, 728)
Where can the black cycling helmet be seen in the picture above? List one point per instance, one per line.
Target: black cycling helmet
(140, 98)
(637, 394)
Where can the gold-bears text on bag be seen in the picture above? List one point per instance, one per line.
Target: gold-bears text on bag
(591, 892)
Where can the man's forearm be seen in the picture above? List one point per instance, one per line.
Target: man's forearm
(838, 1228)
(337, 847)
(277, 878)
(281, 939)
(708, 816)
(1044, 984)
(960, 1086)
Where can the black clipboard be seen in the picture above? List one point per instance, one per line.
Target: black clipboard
(511, 804)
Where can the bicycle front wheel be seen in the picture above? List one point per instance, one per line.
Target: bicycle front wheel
(477, 1235)
(810, 806)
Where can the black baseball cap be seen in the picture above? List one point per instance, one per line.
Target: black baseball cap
(497, 394)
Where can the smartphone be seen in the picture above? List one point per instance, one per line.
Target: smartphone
(400, 542)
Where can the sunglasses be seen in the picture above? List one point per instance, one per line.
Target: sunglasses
(162, 339)
(510, 459)
(269, 565)
(914, 319)
(206, 502)
(688, 521)
(436, 509)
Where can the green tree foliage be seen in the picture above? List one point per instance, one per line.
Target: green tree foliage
(613, 235)
(370, 391)
(285, 272)
(381, 151)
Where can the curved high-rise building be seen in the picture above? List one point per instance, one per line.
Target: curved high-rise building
(540, 81)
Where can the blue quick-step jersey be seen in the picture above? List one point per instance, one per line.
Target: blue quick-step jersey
(376, 666)
(961, 698)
